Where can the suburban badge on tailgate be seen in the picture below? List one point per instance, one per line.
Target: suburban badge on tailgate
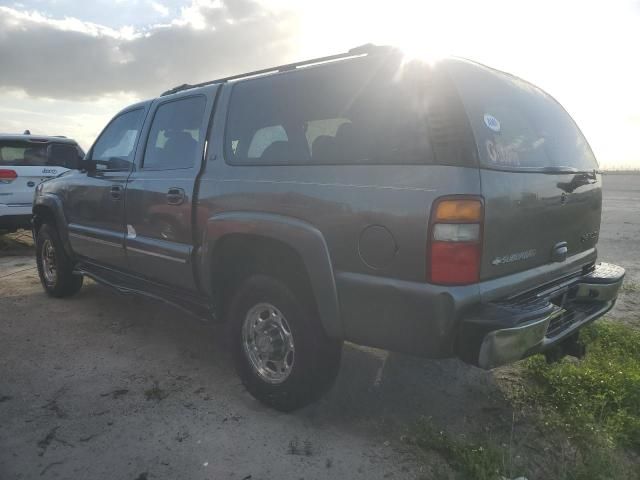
(514, 257)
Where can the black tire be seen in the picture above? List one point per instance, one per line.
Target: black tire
(317, 357)
(64, 283)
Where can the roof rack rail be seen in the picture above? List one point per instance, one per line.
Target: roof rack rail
(366, 49)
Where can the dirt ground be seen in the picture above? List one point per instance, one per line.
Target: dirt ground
(108, 386)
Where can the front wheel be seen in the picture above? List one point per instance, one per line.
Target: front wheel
(55, 268)
(282, 354)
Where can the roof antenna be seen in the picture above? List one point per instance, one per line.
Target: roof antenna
(27, 132)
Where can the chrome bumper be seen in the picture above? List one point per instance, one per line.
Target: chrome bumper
(568, 309)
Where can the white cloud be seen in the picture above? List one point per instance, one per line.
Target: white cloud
(159, 8)
(68, 58)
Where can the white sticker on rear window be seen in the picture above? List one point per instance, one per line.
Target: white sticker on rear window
(492, 122)
(502, 155)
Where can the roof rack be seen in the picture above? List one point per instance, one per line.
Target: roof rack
(362, 50)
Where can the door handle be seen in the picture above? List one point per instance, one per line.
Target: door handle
(175, 196)
(116, 191)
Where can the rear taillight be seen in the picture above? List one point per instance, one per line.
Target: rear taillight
(454, 248)
(7, 176)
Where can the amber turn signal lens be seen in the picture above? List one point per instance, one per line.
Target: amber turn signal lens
(459, 211)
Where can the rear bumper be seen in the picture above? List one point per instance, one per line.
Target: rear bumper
(539, 319)
(438, 322)
(15, 216)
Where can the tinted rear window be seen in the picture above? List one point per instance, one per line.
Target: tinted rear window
(365, 111)
(517, 125)
(25, 154)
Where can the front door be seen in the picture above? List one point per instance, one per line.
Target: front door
(95, 203)
(159, 197)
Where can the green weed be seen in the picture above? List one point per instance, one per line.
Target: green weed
(598, 396)
(470, 460)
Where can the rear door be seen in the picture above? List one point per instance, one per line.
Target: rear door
(539, 176)
(29, 162)
(160, 192)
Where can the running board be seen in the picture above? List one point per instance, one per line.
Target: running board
(125, 284)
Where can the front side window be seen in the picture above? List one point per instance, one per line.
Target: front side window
(115, 149)
(356, 112)
(175, 134)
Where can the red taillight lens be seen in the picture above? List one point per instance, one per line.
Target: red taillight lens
(7, 176)
(454, 249)
(455, 263)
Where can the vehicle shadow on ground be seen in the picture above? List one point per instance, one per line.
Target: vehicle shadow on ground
(374, 388)
(399, 389)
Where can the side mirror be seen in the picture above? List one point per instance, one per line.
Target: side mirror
(87, 164)
(118, 164)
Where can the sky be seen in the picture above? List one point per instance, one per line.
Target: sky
(66, 67)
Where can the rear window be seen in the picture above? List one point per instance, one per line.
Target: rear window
(25, 154)
(355, 112)
(517, 125)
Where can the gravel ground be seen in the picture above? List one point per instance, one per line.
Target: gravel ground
(108, 386)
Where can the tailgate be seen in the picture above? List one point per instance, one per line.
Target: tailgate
(533, 219)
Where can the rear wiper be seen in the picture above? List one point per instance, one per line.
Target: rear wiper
(578, 180)
(560, 169)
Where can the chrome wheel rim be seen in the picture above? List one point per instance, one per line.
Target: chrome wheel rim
(49, 262)
(268, 343)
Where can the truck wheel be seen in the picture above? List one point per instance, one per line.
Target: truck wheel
(54, 265)
(282, 354)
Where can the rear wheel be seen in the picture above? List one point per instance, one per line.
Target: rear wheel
(282, 354)
(55, 268)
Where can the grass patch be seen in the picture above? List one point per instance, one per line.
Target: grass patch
(599, 396)
(586, 415)
(470, 460)
(629, 286)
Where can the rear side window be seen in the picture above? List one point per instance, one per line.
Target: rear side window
(355, 112)
(517, 125)
(175, 134)
(27, 154)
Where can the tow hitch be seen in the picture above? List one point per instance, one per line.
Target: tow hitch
(570, 346)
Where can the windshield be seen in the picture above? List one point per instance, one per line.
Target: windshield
(517, 125)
